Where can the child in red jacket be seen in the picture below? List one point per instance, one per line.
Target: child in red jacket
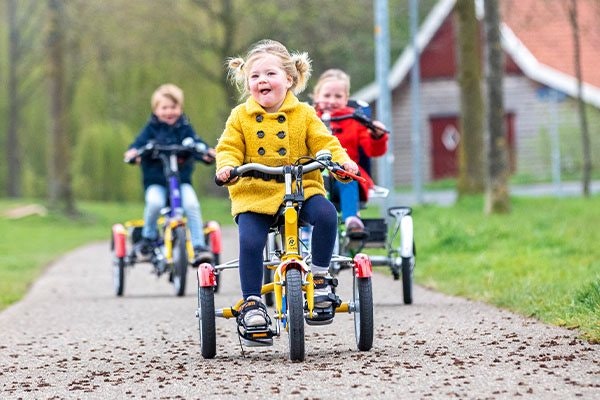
(330, 96)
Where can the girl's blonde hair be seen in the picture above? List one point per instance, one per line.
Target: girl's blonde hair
(169, 91)
(296, 65)
(332, 75)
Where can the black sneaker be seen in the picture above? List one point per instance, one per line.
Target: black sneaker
(253, 323)
(202, 255)
(324, 296)
(144, 248)
(325, 300)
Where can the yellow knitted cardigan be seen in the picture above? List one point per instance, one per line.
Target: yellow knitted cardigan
(253, 135)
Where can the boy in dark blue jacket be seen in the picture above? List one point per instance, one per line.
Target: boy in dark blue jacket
(168, 125)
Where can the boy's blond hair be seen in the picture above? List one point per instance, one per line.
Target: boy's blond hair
(296, 65)
(332, 75)
(168, 91)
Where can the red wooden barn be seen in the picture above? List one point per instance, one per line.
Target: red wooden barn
(539, 88)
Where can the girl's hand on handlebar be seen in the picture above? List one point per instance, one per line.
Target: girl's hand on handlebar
(379, 130)
(224, 174)
(351, 167)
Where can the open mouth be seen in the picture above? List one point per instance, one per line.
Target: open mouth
(265, 91)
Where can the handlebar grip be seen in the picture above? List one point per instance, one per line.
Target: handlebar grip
(345, 174)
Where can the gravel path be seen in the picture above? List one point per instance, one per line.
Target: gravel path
(72, 338)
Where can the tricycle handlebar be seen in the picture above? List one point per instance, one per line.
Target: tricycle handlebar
(323, 161)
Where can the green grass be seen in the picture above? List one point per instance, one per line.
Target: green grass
(541, 260)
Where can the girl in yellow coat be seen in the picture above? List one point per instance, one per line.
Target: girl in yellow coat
(274, 128)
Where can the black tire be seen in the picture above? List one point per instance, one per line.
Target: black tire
(119, 276)
(295, 314)
(180, 260)
(407, 278)
(363, 315)
(206, 322)
(268, 278)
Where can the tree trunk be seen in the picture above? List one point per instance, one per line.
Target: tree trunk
(59, 181)
(497, 190)
(471, 179)
(585, 136)
(13, 144)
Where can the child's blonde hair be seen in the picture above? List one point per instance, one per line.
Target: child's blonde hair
(332, 75)
(296, 65)
(169, 91)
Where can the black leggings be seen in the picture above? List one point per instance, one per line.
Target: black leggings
(254, 229)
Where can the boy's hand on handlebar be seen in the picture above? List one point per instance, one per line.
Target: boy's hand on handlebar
(131, 155)
(209, 156)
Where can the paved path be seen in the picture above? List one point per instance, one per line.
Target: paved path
(71, 338)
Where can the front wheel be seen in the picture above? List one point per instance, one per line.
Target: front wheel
(206, 321)
(295, 314)
(363, 314)
(180, 260)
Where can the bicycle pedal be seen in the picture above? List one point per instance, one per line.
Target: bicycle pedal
(257, 337)
(321, 316)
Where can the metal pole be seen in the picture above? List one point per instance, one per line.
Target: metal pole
(415, 105)
(384, 101)
(555, 140)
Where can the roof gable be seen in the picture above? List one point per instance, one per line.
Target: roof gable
(536, 35)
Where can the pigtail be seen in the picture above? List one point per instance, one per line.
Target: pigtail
(303, 66)
(236, 75)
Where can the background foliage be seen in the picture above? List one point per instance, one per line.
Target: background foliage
(119, 51)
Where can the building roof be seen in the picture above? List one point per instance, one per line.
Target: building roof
(536, 34)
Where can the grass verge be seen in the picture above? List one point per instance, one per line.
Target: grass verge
(541, 260)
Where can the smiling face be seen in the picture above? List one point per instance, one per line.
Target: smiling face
(332, 95)
(167, 110)
(268, 82)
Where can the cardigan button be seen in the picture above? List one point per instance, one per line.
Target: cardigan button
(281, 119)
(260, 134)
(281, 134)
(259, 118)
(282, 151)
(261, 151)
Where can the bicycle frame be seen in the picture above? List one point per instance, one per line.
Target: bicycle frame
(292, 283)
(291, 257)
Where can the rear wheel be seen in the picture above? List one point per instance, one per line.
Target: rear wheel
(407, 278)
(119, 275)
(363, 314)
(206, 322)
(180, 260)
(295, 314)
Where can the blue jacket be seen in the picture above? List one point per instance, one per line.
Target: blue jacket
(162, 133)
